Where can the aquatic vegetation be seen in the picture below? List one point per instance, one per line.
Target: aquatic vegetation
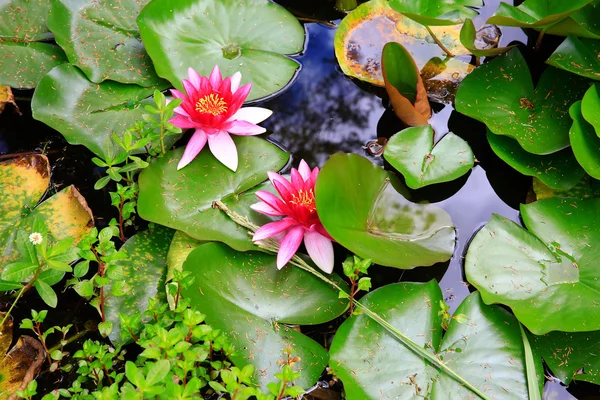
(296, 203)
(213, 107)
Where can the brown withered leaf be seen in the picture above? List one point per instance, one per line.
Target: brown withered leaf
(6, 97)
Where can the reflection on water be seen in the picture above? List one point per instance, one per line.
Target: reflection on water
(324, 112)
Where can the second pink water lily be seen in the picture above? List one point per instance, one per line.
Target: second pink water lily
(212, 106)
(300, 219)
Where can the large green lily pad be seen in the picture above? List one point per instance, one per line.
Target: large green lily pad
(22, 65)
(249, 299)
(362, 35)
(487, 350)
(365, 209)
(579, 56)
(590, 105)
(23, 62)
(437, 12)
(144, 270)
(183, 199)
(501, 95)
(88, 113)
(23, 181)
(250, 36)
(180, 248)
(571, 355)
(547, 275)
(558, 170)
(547, 15)
(412, 152)
(584, 142)
(586, 188)
(102, 39)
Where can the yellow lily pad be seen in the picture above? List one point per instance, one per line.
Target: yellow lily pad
(6, 334)
(6, 97)
(363, 33)
(20, 365)
(23, 181)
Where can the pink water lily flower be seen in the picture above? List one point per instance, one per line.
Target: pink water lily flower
(212, 106)
(297, 206)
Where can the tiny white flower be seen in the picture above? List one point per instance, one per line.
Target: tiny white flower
(36, 238)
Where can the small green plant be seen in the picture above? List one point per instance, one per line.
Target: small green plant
(98, 247)
(41, 264)
(447, 317)
(354, 268)
(122, 163)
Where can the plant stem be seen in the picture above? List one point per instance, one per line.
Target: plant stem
(162, 134)
(272, 246)
(538, 43)
(438, 42)
(71, 339)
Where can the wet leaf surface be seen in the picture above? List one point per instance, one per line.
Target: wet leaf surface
(102, 39)
(571, 355)
(437, 12)
(24, 20)
(501, 95)
(183, 199)
(88, 113)
(486, 350)
(364, 208)
(413, 153)
(584, 142)
(586, 188)
(144, 269)
(250, 36)
(579, 56)
(546, 275)
(491, 33)
(250, 300)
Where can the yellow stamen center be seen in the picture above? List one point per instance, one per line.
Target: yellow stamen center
(305, 199)
(212, 104)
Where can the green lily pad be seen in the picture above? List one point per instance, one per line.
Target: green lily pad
(22, 65)
(586, 188)
(501, 95)
(437, 12)
(412, 152)
(548, 15)
(547, 275)
(103, 40)
(590, 104)
(558, 170)
(468, 37)
(88, 113)
(23, 62)
(584, 142)
(250, 36)
(487, 350)
(24, 20)
(248, 298)
(181, 246)
(364, 208)
(578, 56)
(23, 181)
(571, 356)
(144, 269)
(183, 199)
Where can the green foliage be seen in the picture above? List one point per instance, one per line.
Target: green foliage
(354, 268)
(98, 248)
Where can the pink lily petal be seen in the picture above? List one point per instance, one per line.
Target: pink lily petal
(289, 246)
(321, 229)
(235, 81)
(297, 181)
(194, 78)
(281, 184)
(177, 94)
(273, 228)
(215, 77)
(266, 209)
(242, 93)
(194, 146)
(255, 115)
(179, 110)
(304, 170)
(190, 89)
(182, 122)
(224, 150)
(246, 129)
(320, 250)
(272, 200)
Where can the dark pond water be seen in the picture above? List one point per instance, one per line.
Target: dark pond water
(323, 112)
